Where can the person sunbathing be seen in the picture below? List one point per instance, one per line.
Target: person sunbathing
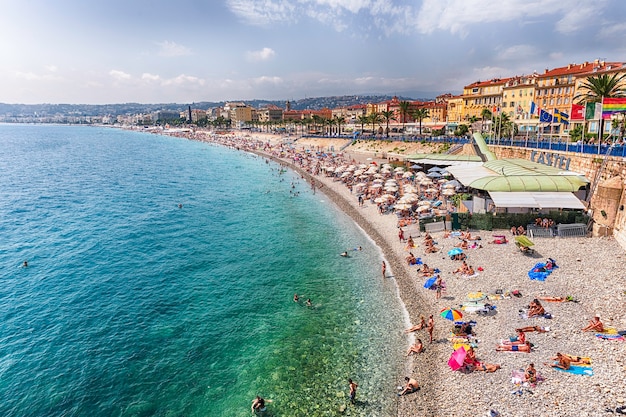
(521, 231)
(410, 243)
(520, 339)
(577, 360)
(499, 240)
(411, 259)
(594, 324)
(462, 245)
(526, 348)
(469, 272)
(535, 309)
(563, 361)
(530, 373)
(488, 367)
(431, 249)
(538, 329)
(427, 271)
(461, 269)
(470, 362)
(459, 257)
(420, 326)
(417, 348)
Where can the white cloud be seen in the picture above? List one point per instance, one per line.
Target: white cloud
(610, 31)
(183, 80)
(119, 75)
(150, 77)
(171, 49)
(516, 52)
(268, 80)
(51, 68)
(264, 12)
(262, 55)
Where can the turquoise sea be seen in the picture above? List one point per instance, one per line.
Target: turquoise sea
(132, 306)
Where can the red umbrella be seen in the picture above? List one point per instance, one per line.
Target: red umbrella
(456, 359)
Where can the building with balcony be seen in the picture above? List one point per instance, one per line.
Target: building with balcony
(482, 95)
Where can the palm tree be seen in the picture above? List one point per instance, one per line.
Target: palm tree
(339, 121)
(317, 120)
(485, 114)
(405, 110)
(374, 119)
(363, 120)
(419, 115)
(507, 127)
(387, 115)
(597, 87)
(472, 120)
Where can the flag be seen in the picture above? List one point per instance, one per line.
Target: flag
(561, 117)
(612, 105)
(593, 111)
(578, 112)
(533, 108)
(545, 117)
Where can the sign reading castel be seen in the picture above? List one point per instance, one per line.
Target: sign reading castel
(548, 158)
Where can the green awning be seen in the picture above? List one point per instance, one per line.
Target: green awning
(570, 183)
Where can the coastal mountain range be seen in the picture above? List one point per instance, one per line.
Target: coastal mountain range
(311, 103)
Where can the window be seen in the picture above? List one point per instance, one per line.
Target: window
(552, 91)
(566, 101)
(512, 104)
(543, 102)
(558, 101)
(552, 102)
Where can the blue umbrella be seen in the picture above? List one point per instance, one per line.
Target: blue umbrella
(455, 251)
(430, 282)
(434, 174)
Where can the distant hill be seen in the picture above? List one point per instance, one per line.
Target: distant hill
(312, 103)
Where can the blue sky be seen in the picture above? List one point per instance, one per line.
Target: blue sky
(184, 51)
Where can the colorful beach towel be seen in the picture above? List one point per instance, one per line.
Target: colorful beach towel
(577, 370)
(539, 272)
(617, 337)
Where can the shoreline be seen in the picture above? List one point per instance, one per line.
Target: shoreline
(582, 274)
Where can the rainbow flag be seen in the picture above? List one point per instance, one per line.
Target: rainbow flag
(611, 106)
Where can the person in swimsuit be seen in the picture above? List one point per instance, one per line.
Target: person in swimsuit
(431, 327)
(417, 348)
(538, 329)
(514, 348)
(594, 324)
(410, 387)
(258, 405)
(384, 269)
(296, 298)
(419, 326)
(564, 362)
(530, 373)
(353, 386)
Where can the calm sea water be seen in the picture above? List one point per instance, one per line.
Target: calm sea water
(132, 306)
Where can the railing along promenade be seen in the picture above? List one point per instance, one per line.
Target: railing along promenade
(557, 146)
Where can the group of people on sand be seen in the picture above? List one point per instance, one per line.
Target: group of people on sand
(429, 244)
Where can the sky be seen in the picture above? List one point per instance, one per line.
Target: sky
(186, 51)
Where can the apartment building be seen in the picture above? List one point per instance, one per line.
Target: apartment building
(482, 95)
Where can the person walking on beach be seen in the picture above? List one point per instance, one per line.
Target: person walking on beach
(353, 386)
(384, 269)
(430, 327)
(401, 235)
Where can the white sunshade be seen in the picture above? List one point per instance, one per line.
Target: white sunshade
(541, 200)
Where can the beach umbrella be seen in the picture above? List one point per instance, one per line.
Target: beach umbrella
(448, 192)
(434, 174)
(451, 314)
(388, 197)
(454, 182)
(434, 169)
(415, 166)
(444, 173)
(402, 206)
(424, 203)
(378, 181)
(430, 190)
(376, 186)
(457, 358)
(455, 251)
(346, 174)
(407, 175)
(448, 185)
(399, 169)
(430, 282)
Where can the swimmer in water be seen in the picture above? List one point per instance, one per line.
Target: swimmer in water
(25, 264)
(309, 303)
(344, 254)
(296, 298)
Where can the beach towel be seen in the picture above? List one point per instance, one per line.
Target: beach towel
(603, 336)
(577, 370)
(539, 272)
(469, 276)
(609, 331)
(518, 376)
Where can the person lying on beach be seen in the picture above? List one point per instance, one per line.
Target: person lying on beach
(462, 245)
(594, 324)
(458, 257)
(538, 329)
(563, 361)
(417, 327)
(463, 269)
(499, 239)
(535, 309)
(431, 249)
(465, 329)
(520, 339)
(577, 360)
(557, 299)
(410, 387)
(488, 367)
(427, 271)
(526, 348)
(470, 272)
(411, 259)
(417, 348)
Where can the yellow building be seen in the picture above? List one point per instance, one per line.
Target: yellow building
(482, 95)
(455, 109)
(517, 95)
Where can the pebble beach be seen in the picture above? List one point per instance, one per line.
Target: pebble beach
(590, 270)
